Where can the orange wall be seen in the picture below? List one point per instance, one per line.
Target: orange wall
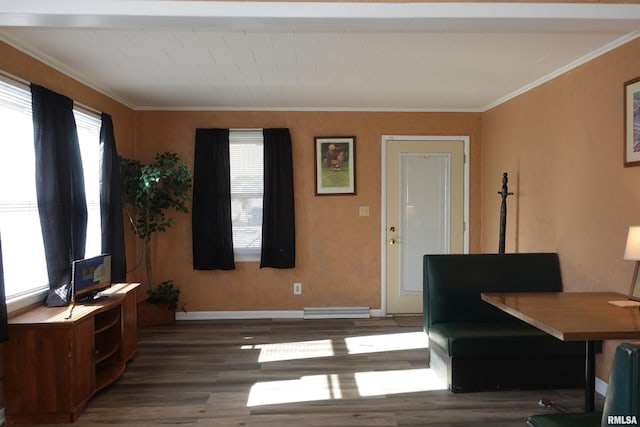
(562, 146)
(338, 252)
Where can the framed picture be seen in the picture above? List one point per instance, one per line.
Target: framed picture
(632, 122)
(335, 165)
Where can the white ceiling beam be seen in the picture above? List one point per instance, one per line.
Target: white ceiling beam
(314, 16)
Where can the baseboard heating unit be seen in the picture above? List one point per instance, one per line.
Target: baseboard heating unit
(336, 313)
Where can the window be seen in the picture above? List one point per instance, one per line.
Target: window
(24, 264)
(247, 184)
(25, 270)
(88, 125)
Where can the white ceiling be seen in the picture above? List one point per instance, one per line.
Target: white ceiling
(158, 54)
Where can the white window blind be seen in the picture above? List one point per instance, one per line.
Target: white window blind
(25, 269)
(88, 125)
(247, 185)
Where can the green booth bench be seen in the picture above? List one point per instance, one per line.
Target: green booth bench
(477, 347)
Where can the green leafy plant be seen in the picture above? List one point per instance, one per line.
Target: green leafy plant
(165, 292)
(149, 192)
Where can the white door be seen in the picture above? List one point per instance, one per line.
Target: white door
(425, 213)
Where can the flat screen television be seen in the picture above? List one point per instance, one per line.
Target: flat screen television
(91, 276)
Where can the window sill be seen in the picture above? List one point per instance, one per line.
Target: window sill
(16, 305)
(246, 257)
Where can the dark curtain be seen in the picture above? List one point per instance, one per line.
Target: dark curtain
(211, 202)
(278, 219)
(112, 223)
(4, 333)
(59, 183)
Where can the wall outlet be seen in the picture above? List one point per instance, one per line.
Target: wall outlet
(297, 288)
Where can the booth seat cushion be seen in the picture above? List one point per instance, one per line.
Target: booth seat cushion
(500, 338)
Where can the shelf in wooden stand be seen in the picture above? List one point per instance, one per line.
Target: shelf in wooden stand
(104, 353)
(108, 373)
(107, 320)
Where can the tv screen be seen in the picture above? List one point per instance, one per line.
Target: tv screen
(90, 276)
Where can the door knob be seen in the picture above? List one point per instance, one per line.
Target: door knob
(393, 241)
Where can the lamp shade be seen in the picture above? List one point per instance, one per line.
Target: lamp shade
(632, 250)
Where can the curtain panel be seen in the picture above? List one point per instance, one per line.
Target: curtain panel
(278, 217)
(59, 183)
(212, 235)
(112, 222)
(4, 327)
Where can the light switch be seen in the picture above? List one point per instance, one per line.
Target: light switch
(364, 210)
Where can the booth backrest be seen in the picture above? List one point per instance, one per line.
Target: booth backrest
(623, 392)
(453, 283)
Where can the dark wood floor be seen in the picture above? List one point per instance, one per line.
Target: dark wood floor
(298, 373)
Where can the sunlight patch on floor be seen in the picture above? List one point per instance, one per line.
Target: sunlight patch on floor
(306, 389)
(387, 342)
(292, 350)
(327, 386)
(397, 381)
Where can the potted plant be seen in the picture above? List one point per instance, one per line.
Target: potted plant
(149, 192)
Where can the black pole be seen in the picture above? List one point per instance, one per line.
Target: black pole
(503, 212)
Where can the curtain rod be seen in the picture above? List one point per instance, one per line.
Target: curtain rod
(28, 83)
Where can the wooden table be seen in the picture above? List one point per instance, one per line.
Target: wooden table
(573, 316)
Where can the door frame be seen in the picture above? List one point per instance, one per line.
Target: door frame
(383, 193)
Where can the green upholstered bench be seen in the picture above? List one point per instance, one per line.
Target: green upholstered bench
(477, 347)
(622, 403)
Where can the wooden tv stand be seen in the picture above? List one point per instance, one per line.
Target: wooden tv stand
(54, 364)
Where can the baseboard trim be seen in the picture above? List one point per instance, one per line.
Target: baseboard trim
(248, 315)
(239, 315)
(336, 313)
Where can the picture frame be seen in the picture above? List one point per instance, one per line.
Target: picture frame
(632, 122)
(335, 165)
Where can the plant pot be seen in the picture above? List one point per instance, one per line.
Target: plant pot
(155, 314)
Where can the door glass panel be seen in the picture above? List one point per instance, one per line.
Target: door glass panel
(424, 213)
